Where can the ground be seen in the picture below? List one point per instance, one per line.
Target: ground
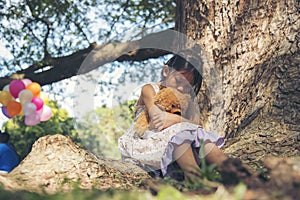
(56, 164)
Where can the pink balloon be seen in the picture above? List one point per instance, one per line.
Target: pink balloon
(26, 81)
(38, 102)
(46, 114)
(40, 111)
(29, 109)
(32, 120)
(4, 111)
(15, 87)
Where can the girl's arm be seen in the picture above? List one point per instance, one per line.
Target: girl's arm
(158, 118)
(162, 120)
(147, 96)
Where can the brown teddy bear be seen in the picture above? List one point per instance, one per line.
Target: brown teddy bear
(169, 100)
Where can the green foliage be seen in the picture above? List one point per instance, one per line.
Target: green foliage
(100, 129)
(77, 193)
(33, 31)
(170, 193)
(166, 192)
(22, 136)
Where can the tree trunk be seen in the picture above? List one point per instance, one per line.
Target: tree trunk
(55, 163)
(254, 46)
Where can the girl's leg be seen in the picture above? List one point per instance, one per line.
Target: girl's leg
(184, 157)
(186, 160)
(214, 154)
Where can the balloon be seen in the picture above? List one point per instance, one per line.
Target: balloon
(35, 88)
(15, 87)
(38, 102)
(5, 97)
(32, 120)
(40, 111)
(14, 108)
(25, 96)
(6, 88)
(21, 112)
(46, 114)
(44, 96)
(26, 81)
(29, 109)
(4, 111)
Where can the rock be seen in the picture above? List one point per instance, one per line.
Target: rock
(57, 163)
(284, 175)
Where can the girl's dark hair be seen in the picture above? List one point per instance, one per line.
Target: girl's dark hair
(188, 61)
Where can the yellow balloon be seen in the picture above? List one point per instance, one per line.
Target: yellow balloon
(5, 97)
(44, 97)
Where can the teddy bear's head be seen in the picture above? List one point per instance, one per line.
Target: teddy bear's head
(171, 100)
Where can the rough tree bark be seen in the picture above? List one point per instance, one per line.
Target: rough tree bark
(255, 48)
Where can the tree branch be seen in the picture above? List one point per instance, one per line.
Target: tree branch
(85, 60)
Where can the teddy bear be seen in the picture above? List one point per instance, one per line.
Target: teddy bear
(168, 99)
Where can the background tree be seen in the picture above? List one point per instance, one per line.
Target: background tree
(22, 136)
(100, 129)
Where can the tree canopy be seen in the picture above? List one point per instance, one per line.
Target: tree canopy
(47, 38)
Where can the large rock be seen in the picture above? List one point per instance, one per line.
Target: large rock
(56, 163)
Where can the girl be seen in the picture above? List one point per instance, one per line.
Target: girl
(175, 142)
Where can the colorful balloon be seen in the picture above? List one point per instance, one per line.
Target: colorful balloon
(4, 111)
(14, 108)
(40, 111)
(5, 97)
(46, 114)
(38, 102)
(35, 88)
(29, 109)
(28, 103)
(26, 81)
(44, 97)
(25, 96)
(6, 88)
(15, 87)
(32, 120)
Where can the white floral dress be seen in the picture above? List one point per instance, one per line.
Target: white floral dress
(155, 149)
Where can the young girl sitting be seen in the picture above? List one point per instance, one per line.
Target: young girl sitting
(175, 141)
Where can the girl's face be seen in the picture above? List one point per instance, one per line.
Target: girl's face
(180, 80)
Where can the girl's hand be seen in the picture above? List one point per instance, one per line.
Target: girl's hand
(161, 119)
